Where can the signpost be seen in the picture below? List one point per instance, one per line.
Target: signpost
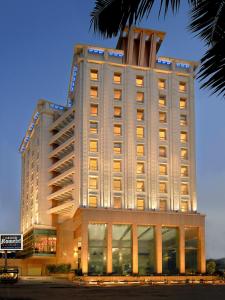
(10, 242)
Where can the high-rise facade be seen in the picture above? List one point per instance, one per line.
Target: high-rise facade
(108, 181)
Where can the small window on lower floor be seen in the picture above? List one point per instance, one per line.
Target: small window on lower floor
(162, 204)
(140, 204)
(184, 206)
(117, 202)
(184, 189)
(92, 201)
(163, 187)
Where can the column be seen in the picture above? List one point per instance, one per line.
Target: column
(135, 248)
(181, 249)
(84, 248)
(201, 250)
(158, 250)
(109, 248)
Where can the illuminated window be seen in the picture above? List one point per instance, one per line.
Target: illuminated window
(93, 146)
(140, 132)
(140, 186)
(117, 78)
(162, 151)
(117, 202)
(93, 127)
(162, 101)
(140, 114)
(94, 110)
(94, 74)
(117, 148)
(163, 187)
(92, 201)
(183, 103)
(117, 165)
(140, 204)
(94, 92)
(183, 137)
(140, 168)
(93, 183)
(162, 117)
(140, 150)
(183, 171)
(117, 129)
(184, 206)
(117, 184)
(139, 81)
(184, 153)
(182, 87)
(140, 97)
(162, 204)
(93, 164)
(183, 120)
(117, 112)
(184, 189)
(162, 134)
(162, 169)
(161, 83)
(117, 94)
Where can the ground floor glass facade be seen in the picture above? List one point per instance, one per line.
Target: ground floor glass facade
(191, 250)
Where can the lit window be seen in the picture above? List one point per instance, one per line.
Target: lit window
(184, 206)
(117, 78)
(140, 186)
(161, 83)
(162, 169)
(182, 87)
(140, 132)
(117, 129)
(140, 204)
(117, 112)
(163, 187)
(139, 80)
(94, 74)
(117, 148)
(162, 134)
(162, 151)
(117, 94)
(93, 183)
(184, 189)
(140, 114)
(140, 168)
(184, 171)
(92, 201)
(162, 117)
(117, 184)
(162, 204)
(162, 101)
(117, 165)
(183, 103)
(184, 153)
(183, 120)
(93, 164)
(93, 146)
(94, 92)
(93, 127)
(94, 110)
(117, 202)
(183, 137)
(140, 150)
(140, 97)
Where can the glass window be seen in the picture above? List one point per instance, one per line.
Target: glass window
(161, 83)
(117, 129)
(93, 127)
(117, 112)
(183, 120)
(162, 187)
(146, 250)
(140, 204)
(140, 97)
(94, 74)
(162, 117)
(92, 201)
(183, 171)
(117, 78)
(97, 248)
(162, 101)
(140, 150)
(140, 186)
(182, 86)
(93, 146)
(184, 153)
(163, 169)
(117, 202)
(191, 250)
(140, 114)
(170, 250)
(93, 183)
(140, 168)
(162, 134)
(162, 204)
(184, 189)
(93, 164)
(117, 184)
(140, 132)
(117, 94)
(117, 148)
(184, 206)
(183, 137)
(139, 81)
(162, 151)
(94, 92)
(121, 249)
(183, 103)
(117, 166)
(94, 110)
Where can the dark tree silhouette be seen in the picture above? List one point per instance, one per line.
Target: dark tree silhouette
(207, 20)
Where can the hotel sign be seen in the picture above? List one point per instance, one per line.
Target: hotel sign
(11, 242)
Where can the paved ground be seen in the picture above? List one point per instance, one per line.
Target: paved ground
(49, 290)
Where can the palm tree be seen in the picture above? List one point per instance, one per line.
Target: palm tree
(109, 17)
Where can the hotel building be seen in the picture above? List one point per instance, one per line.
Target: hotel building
(108, 180)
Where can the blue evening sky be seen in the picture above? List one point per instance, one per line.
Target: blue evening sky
(36, 47)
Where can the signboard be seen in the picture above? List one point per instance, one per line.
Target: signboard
(11, 242)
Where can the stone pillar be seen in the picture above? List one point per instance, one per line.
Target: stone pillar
(181, 249)
(84, 247)
(109, 248)
(158, 248)
(135, 248)
(201, 250)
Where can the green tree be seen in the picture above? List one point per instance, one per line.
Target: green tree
(207, 20)
(211, 267)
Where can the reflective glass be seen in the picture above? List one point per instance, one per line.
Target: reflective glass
(170, 250)
(191, 250)
(146, 250)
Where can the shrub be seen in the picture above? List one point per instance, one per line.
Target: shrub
(60, 268)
